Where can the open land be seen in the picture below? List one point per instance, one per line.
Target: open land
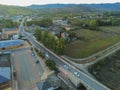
(92, 41)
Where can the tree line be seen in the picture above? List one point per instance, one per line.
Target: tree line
(8, 23)
(50, 41)
(93, 24)
(43, 23)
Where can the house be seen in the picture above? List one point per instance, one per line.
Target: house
(67, 28)
(15, 18)
(16, 36)
(2, 35)
(61, 23)
(65, 35)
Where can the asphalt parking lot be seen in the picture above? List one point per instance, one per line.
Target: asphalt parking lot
(28, 72)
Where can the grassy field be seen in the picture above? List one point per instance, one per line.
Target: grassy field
(93, 42)
(107, 71)
(111, 29)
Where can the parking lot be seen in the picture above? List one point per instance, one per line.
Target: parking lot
(28, 72)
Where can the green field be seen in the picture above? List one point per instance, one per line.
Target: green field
(93, 42)
(111, 29)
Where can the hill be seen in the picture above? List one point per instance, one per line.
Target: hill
(104, 6)
(50, 6)
(61, 9)
(14, 10)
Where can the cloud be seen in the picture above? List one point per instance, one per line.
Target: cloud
(29, 2)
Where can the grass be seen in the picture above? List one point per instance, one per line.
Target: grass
(111, 29)
(95, 41)
(88, 34)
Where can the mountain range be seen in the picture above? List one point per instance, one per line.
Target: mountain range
(105, 6)
(58, 8)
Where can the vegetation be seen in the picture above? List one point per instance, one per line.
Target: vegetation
(8, 23)
(107, 71)
(14, 10)
(51, 64)
(50, 41)
(90, 42)
(43, 23)
(39, 53)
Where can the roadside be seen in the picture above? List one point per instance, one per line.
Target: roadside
(47, 71)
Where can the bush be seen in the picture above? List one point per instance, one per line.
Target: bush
(51, 64)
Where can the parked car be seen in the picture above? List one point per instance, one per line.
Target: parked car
(37, 62)
(66, 66)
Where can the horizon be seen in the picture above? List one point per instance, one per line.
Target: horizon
(27, 3)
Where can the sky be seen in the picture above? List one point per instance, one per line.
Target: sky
(39, 2)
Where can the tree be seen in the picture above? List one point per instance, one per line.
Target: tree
(51, 64)
(93, 24)
(46, 22)
(60, 44)
(44, 37)
(38, 34)
(116, 22)
(72, 35)
(65, 18)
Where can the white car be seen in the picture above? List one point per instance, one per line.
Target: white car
(75, 73)
(78, 75)
(66, 66)
(47, 55)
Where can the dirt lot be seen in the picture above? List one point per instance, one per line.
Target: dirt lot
(107, 71)
(92, 42)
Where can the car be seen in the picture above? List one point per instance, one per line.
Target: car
(33, 54)
(37, 62)
(78, 75)
(75, 73)
(66, 66)
(47, 55)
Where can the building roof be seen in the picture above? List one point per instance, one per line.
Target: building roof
(5, 64)
(9, 43)
(4, 74)
(9, 29)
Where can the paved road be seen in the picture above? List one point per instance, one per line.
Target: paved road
(28, 72)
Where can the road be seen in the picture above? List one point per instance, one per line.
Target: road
(95, 85)
(28, 72)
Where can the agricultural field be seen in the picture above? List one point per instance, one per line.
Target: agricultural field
(107, 71)
(92, 41)
(111, 29)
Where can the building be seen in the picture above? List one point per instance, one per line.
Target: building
(16, 36)
(62, 23)
(5, 73)
(9, 31)
(10, 43)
